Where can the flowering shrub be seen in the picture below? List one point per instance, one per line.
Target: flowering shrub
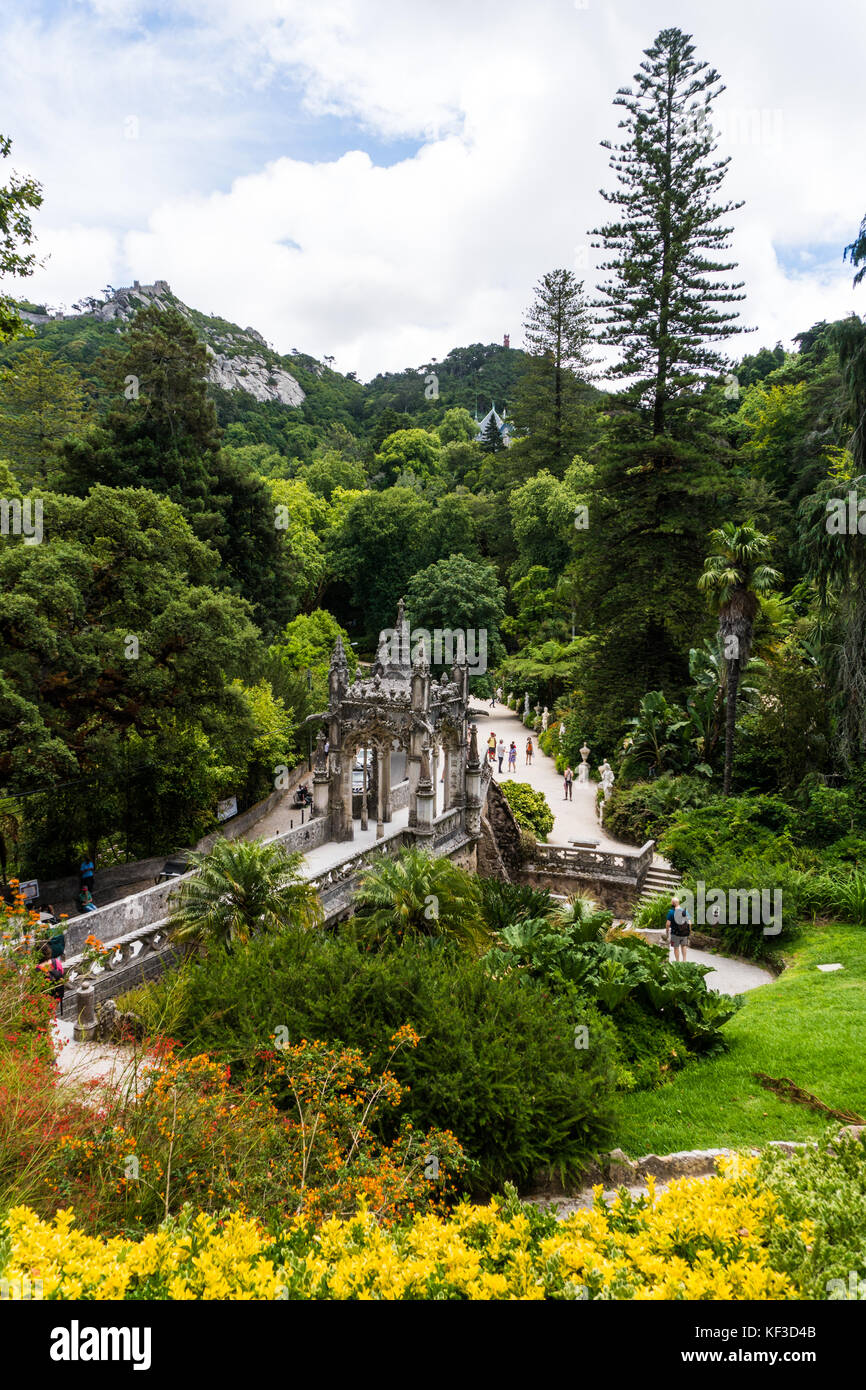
(299, 1142)
(696, 1240)
(33, 1115)
(22, 931)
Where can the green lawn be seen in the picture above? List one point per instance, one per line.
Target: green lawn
(806, 1025)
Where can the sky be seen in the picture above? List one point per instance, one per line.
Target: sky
(382, 180)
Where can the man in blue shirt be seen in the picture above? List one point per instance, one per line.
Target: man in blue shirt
(679, 928)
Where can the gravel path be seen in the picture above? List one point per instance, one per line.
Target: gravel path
(82, 1063)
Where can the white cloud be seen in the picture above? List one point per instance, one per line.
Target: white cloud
(398, 264)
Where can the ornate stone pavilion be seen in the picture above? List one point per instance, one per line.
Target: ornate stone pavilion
(398, 706)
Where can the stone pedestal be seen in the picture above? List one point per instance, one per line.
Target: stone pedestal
(321, 783)
(85, 1014)
(425, 802)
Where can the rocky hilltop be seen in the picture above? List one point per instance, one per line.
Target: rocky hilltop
(241, 359)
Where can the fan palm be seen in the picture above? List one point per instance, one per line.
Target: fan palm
(735, 573)
(581, 918)
(414, 895)
(242, 888)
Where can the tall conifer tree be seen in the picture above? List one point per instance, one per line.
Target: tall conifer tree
(551, 402)
(667, 303)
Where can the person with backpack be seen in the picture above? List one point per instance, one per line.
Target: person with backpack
(568, 782)
(529, 752)
(51, 968)
(679, 928)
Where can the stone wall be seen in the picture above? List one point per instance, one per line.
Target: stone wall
(619, 898)
(500, 854)
(120, 918)
(305, 837)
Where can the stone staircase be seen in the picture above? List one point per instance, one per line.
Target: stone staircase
(659, 882)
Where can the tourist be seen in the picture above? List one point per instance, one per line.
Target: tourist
(568, 781)
(679, 928)
(512, 757)
(529, 752)
(85, 901)
(52, 968)
(85, 872)
(500, 752)
(491, 747)
(493, 700)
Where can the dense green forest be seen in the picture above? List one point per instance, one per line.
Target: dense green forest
(654, 561)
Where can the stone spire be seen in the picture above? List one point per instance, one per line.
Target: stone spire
(474, 760)
(338, 675)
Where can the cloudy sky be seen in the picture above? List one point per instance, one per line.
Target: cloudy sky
(381, 180)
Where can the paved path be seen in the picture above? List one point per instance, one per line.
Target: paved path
(730, 976)
(319, 860)
(573, 820)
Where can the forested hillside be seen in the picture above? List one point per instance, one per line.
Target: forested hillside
(225, 511)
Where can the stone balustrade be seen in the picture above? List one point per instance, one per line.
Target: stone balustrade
(137, 956)
(596, 863)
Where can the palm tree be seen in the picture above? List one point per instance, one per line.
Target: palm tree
(735, 573)
(244, 887)
(414, 895)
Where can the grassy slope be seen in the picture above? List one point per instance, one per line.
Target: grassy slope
(806, 1025)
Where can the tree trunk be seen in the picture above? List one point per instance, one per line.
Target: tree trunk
(730, 723)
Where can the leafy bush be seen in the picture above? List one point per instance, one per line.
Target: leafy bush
(621, 973)
(496, 1066)
(503, 903)
(650, 1049)
(198, 1138)
(743, 845)
(759, 826)
(840, 893)
(645, 810)
(529, 808)
(824, 812)
(821, 1196)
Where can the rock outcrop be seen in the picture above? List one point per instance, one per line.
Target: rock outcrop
(240, 358)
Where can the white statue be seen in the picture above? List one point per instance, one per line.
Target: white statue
(561, 730)
(545, 719)
(607, 778)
